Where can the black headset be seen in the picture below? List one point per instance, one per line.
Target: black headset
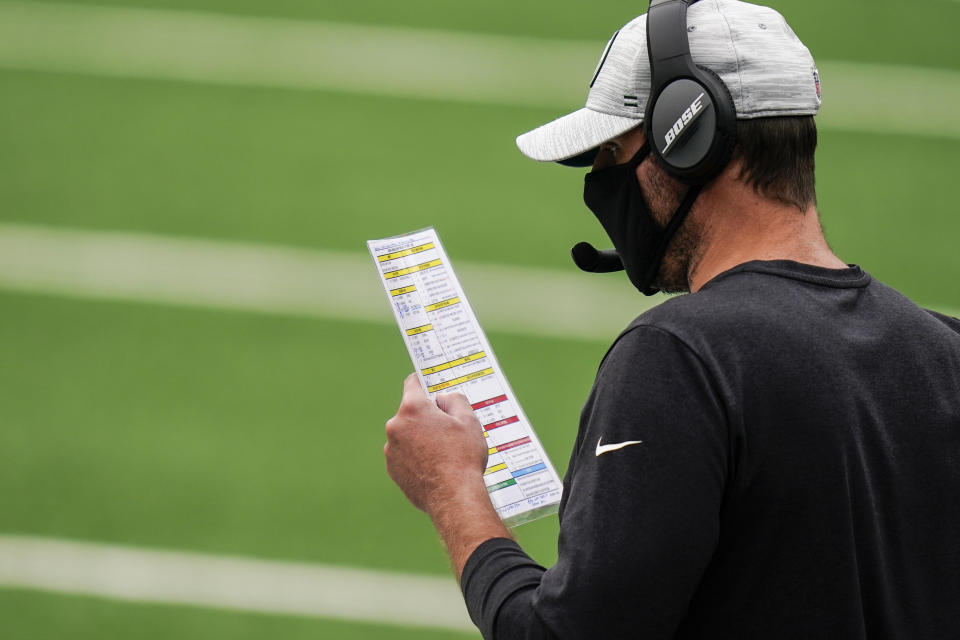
(691, 120)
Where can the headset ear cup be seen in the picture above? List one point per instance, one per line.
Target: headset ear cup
(705, 150)
(725, 140)
(683, 127)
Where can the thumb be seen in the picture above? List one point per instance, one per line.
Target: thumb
(413, 390)
(412, 387)
(456, 405)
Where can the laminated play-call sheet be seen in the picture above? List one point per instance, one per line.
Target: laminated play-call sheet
(451, 354)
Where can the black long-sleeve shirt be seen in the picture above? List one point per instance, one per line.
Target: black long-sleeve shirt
(790, 469)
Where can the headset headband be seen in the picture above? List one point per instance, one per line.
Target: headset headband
(667, 42)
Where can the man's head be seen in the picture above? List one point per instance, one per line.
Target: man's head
(754, 52)
(744, 77)
(774, 158)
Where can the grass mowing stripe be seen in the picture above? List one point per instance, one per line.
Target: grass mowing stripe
(276, 52)
(298, 282)
(226, 582)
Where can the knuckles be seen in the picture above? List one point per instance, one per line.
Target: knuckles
(391, 428)
(405, 419)
(405, 410)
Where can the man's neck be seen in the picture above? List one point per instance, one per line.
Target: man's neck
(741, 226)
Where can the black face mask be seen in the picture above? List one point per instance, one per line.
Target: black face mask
(613, 195)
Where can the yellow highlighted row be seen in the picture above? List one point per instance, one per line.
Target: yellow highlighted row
(406, 252)
(409, 270)
(418, 330)
(460, 380)
(442, 305)
(494, 469)
(403, 290)
(452, 363)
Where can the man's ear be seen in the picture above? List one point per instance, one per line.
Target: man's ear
(735, 170)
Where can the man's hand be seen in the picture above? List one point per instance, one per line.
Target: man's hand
(436, 453)
(433, 449)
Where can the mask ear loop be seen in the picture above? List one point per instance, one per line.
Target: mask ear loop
(672, 227)
(639, 156)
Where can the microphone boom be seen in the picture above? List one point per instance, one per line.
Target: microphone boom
(592, 260)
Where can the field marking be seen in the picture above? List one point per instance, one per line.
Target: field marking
(299, 282)
(337, 285)
(396, 61)
(288, 53)
(229, 582)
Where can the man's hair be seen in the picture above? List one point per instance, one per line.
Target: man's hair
(777, 156)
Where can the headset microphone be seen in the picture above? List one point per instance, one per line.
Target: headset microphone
(594, 260)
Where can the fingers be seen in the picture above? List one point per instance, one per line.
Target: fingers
(415, 398)
(413, 393)
(411, 383)
(456, 405)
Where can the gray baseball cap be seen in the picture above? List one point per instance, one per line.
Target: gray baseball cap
(768, 71)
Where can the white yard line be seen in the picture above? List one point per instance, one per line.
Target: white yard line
(226, 582)
(299, 282)
(191, 272)
(395, 61)
(294, 54)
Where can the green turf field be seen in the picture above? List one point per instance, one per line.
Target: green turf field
(54, 616)
(260, 435)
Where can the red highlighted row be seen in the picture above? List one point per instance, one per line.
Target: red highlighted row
(488, 403)
(500, 423)
(511, 445)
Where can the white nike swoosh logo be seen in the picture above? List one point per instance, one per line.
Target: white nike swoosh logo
(607, 448)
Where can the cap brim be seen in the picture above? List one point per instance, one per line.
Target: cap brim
(570, 139)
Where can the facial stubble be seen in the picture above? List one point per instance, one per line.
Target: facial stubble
(663, 195)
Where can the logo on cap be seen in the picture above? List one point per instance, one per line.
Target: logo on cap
(816, 83)
(603, 58)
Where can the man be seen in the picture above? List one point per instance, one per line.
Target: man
(775, 454)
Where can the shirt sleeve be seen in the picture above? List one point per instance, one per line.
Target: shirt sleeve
(640, 515)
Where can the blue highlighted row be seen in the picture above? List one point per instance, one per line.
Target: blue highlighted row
(529, 470)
